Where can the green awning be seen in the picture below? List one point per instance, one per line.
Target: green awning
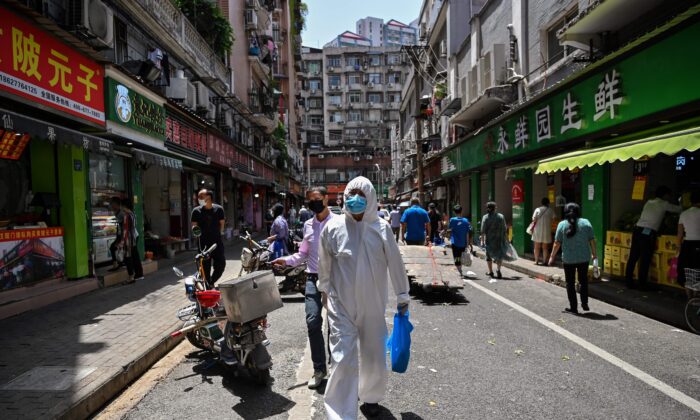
(668, 144)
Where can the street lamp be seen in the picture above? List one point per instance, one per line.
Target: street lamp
(379, 179)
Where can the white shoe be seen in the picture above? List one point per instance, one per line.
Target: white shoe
(317, 379)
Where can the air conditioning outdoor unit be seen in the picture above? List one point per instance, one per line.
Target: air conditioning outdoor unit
(443, 48)
(97, 18)
(321, 156)
(251, 19)
(370, 104)
(202, 95)
(369, 157)
(313, 91)
(191, 99)
(370, 84)
(356, 158)
(331, 68)
(211, 115)
(228, 119)
(341, 122)
(178, 87)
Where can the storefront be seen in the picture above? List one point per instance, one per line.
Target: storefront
(45, 87)
(604, 138)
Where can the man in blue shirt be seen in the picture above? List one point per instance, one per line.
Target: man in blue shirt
(416, 223)
(460, 236)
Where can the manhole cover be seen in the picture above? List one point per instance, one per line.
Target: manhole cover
(48, 378)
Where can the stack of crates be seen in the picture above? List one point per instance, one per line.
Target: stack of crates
(617, 252)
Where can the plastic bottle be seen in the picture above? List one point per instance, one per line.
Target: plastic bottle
(596, 269)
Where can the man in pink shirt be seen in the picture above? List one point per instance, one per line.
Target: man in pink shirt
(308, 252)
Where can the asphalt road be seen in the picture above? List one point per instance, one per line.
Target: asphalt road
(500, 349)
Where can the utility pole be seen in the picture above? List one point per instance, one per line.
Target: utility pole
(419, 137)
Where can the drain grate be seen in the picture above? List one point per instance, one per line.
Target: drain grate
(48, 378)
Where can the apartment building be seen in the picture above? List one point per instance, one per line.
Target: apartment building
(351, 98)
(391, 33)
(552, 99)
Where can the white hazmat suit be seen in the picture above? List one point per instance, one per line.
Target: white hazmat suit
(355, 259)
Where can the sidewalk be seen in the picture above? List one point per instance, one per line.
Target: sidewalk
(67, 359)
(665, 304)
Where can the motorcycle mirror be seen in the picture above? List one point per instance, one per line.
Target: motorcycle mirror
(197, 231)
(178, 272)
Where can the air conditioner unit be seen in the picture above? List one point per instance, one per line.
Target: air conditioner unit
(178, 87)
(443, 48)
(356, 158)
(321, 156)
(370, 104)
(251, 19)
(369, 157)
(202, 95)
(228, 119)
(370, 85)
(313, 91)
(97, 18)
(331, 68)
(191, 99)
(423, 31)
(390, 85)
(341, 122)
(492, 67)
(211, 115)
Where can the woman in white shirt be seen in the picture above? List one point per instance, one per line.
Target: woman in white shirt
(542, 233)
(689, 238)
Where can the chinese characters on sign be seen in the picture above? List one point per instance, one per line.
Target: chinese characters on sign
(608, 96)
(128, 107)
(221, 151)
(39, 67)
(184, 135)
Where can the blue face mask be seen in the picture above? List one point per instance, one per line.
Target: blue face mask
(356, 204)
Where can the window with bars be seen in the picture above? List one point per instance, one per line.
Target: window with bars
(333, 61)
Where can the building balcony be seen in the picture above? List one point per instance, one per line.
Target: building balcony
(355, 86)
(489, 102)
(314, 92)
(375, 86)
(357, 105)
(392, 105)
(355, 124)
(332, 69)
(354, 68)
(335, 88)
(313, 111)
(180, 37)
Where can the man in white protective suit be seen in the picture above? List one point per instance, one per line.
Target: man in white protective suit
(358, 254)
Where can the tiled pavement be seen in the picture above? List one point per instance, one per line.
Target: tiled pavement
(67, 359)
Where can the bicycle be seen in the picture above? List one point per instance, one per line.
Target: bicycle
(692, 308)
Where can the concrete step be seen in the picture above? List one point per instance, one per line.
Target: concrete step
(112, 278)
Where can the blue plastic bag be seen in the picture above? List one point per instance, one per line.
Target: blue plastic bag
(399, 343)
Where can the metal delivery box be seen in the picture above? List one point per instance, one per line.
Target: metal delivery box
(251, 296)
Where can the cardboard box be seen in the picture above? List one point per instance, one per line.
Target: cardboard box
(615, 253)
(617, 268)
(608, 250)
(607, 265)
(626, 239)
(668, 243)
(613, 238)
(624, 254)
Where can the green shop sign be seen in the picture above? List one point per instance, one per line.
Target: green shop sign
(129, 108)
(659, 77)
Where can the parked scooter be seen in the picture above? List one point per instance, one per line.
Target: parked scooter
(256, 256)
(207, 322)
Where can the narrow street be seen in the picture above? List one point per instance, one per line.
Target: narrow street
(499, 349)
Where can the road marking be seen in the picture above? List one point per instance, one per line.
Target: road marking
(677, 395)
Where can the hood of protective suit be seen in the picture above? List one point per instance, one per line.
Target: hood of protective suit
(365, 185)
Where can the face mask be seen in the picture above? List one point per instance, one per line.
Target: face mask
(316, 206)
(202, 202)
(356, 204)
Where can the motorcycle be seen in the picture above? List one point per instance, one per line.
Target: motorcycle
(206, 324)
(256, 256)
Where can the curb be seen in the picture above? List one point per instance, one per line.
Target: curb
(96, 398)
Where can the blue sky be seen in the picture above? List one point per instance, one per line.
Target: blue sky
(328, 18)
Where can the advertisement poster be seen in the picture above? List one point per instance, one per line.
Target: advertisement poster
(30, 255)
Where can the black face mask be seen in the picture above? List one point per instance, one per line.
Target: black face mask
(316, 206)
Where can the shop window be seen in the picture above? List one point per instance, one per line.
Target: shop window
(107, 177)
(14, 189)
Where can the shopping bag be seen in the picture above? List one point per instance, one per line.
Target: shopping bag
(531, 228)
(399, 343)
(510, 253)
(673, 268)
(120, 253)
(466, 258)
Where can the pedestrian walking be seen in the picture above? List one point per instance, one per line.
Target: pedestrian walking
(435, 223)
(415, 224)
(292, 216)
(305, 214)
(645, 233)
(132, 259)
(542, 232)
(494, 235)
(278, 232)
(357, 251)
(308, 252)
(210, 218)
(689, 238)
(395, 221)
(116, 247)
(460, 236)
(575, 238)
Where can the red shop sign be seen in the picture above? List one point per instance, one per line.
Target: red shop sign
(517, 191)
(184, 135)
(221, 152)
(39, 67)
